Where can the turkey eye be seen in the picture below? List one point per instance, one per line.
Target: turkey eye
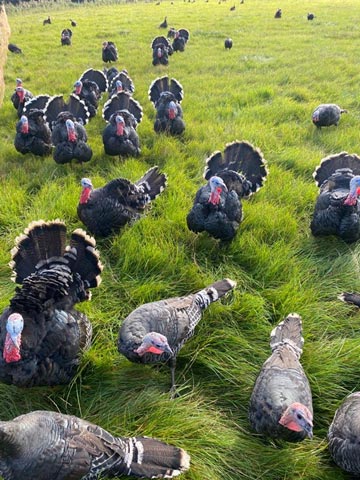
(299, 417)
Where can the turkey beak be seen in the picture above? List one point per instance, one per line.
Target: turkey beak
(308, 428)
(167, 349)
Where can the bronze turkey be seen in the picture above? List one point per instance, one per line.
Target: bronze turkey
(41, 333)
(281, 401)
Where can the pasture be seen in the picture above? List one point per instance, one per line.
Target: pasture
(263, 90)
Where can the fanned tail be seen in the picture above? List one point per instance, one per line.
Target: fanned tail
(183, 32)
(96, 76)
(122, 101)
(353, 298)
(213, 292)
(75, 106)
(289, 332)
(330, 164)
(38, 102)
(152, 458)
(161, 40)
(239, 158)
(153, 182)
(162, 84)
(127, 83)
(41, 241)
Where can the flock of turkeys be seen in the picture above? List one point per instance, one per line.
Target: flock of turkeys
(42, 334)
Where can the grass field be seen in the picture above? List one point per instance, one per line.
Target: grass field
(264, 91)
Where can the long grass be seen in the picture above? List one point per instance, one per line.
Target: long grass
(264, 91)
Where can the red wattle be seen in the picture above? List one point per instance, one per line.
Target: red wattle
(291, 426)
(25, 128)
(10, 353)
(71, 137)
(155, 350)
(85, 195)
(119, 129)
(172, 113)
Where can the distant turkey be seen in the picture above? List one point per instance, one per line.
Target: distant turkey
(66, 35)
(228, 43)
(121, 83)
(281, 402)
(47, 21)
(180, 40)
(155, 332)
(166, 96)
(105, 210)
(14, 48)
(164, 24)
(237, 174)
(171, 32)
(20, 96)
(73, 23)
(44, 445)
(337, 209)
(278, 13)
(327, 114)
(96, 76)
(310, 16)
(344, 435)
(73, 106)
(33, 135)
(70, 140)
(109, 52)
(162, 49)
(123, 114)
(41, 334)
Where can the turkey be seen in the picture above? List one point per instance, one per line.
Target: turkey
(123, 114)
(14, 48)
(105, 210)
(36, 103)
(73, 23)
(161, 48)
(47, 21)
(352, 298)
(228, 43)
(164, 24)
(43, 445)
(89, 92)
(337, 210)
(232, 8)
(344, 435)
(109, 52)
(180, 40)
(281, 403)
(278, 13)
(166, 96)
(70, 140)
(237, 174)
(66, 35)
(20, 96)
(121, 83)
(33, 135)
(327, 114)
(155, 332)
(96, 76)
(171, 32)
(74, 106)
(310, 16)
(41, 334)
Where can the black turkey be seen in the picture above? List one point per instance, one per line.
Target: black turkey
(232, 8)
(327, 114)
(123, 114)
(337, 209)
(33, 135)
(41, 334)
(164, 24)
(70, 140)
(105, 210)
(228, 43)
(180, 40)
(237, 174)
(96, 76)
(171, 32)
(73, 23)
(352, 298)
(344, 435)
(14, 48)
(20, 96)
(155, 332)
(310, 16)
(66, 35)
(281, 402)
(89, 92)
(44, 445)
(121, 83)
(162, 49)
(166, 96)
(109, 52)
(278, 13)
(74, 106)
(47, 21)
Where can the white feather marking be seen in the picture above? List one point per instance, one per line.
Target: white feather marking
(140, 449)
(129, 453)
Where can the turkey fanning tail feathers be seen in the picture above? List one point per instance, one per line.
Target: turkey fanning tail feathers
(96, 76)
(330, 164)
(288, 332)
(153, 182)
(163, 84)
(75, 106)
(123, 101)
(94, 452)
(237, 174)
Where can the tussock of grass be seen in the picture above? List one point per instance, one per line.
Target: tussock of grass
(264, 90)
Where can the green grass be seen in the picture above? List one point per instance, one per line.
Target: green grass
(264, 91)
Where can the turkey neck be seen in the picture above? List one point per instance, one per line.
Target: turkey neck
(85, 195)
